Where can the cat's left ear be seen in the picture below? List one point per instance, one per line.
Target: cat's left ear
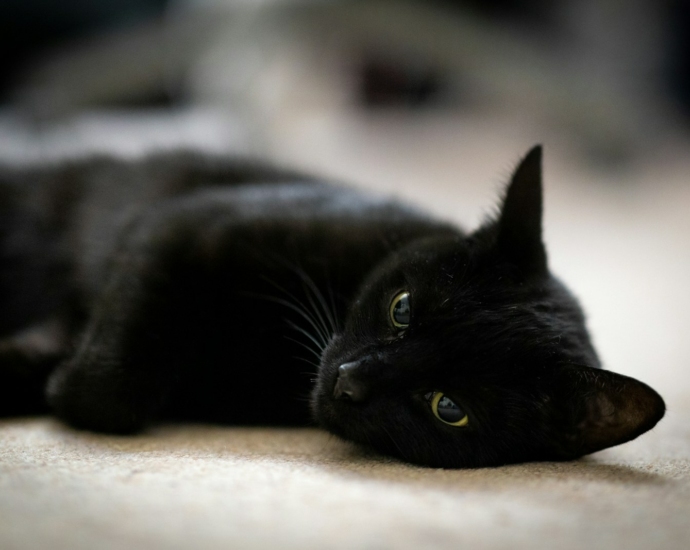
(520, 222)
(600, 409)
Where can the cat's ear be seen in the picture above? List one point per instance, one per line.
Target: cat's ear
(601, 409)
(520, 222)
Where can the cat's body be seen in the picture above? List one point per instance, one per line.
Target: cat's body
(194, 288)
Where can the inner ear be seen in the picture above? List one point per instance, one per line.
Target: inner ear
(602, 409)
(520, 221)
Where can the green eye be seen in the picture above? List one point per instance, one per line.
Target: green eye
(400, 310)
(447, 411)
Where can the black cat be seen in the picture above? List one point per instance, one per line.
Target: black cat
(186, 287)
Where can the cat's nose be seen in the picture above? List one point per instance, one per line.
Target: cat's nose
(347, 386)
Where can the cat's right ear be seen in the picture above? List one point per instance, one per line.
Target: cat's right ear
(520, 222)
(600, 409)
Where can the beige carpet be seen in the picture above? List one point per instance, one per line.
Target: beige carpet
(207, 487)
(618, 238)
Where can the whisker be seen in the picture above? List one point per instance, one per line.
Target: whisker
(319, 296)
(306, 333)
(304, 315)
(298, 306)
(305, 346)
(308, 361)
(326, 331)
(323, 324)
(331, 298)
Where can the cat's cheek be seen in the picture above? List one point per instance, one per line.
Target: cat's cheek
(331, 351)
(325, 381)
(322, 402)
(325, 413)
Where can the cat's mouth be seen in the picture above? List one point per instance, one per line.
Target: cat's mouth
(346, 407)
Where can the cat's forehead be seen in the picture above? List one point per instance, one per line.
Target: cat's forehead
(447, 277)
(437, 264)
(427, 264)
(428, 257)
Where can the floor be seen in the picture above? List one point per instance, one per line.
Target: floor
(617, 236)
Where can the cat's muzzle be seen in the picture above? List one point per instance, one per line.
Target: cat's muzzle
(347, 386)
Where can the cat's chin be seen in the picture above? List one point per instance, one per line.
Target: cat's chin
(348, 421)
(326, 410)
(362, 423)
(366, 422)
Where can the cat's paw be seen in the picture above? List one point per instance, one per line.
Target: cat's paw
(98, 396)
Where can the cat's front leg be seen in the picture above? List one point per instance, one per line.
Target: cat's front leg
(125, 364)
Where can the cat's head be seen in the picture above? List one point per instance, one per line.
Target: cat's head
(466, 351)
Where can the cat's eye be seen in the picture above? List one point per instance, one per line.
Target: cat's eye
(446, 410)
(399, 310)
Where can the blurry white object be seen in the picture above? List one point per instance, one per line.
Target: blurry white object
(271, 62)
(123, 133)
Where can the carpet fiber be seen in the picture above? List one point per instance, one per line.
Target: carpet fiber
(210, 487)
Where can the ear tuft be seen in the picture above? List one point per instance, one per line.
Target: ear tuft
(603, 409)
(520, 222)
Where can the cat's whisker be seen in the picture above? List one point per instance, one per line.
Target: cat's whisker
(317, 313)
(316, 321)
(297, 307)
(312, 338)
(304, 359)
(289, 294)
(305, 346)
(308, 361)
(322, 337)
(303, 398)
(319, 296)
(333, 309)
(330, 314)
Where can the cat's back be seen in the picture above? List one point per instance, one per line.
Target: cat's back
(80, 208)
(88, 195)
(301, 204)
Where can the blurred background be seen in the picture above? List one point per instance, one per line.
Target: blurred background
(610, 79)
(431, 100)
(434, 101)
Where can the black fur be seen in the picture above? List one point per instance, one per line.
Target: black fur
(187, 287)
